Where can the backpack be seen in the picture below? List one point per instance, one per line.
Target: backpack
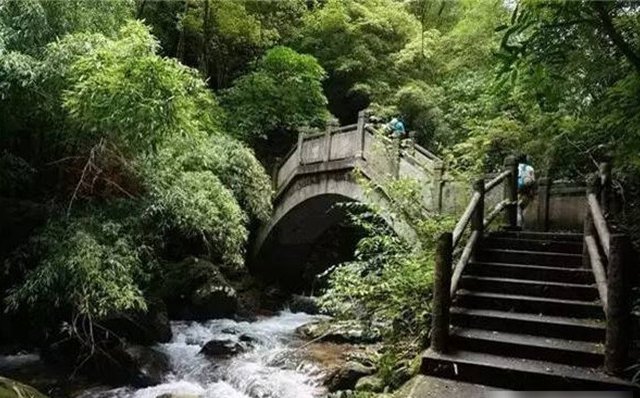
(526, 176)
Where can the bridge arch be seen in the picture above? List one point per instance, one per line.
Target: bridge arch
(316, 175)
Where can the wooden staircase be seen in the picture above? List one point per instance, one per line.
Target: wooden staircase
(530, 310)
(527, 315)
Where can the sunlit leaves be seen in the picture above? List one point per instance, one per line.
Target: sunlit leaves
(284, 92)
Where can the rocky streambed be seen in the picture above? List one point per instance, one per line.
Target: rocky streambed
(287, 355)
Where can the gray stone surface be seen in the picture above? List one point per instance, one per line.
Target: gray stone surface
(432, 387)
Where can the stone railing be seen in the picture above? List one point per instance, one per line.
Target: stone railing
(363, 145)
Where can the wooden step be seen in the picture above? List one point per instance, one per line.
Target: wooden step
(578, 353)
(531, 324)
(546, 236)
(531, 272)
(530, 257)
(533, 245)
(528, 304)
(518, 373)
(563, 290)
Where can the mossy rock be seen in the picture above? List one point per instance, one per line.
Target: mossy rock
(13, 389)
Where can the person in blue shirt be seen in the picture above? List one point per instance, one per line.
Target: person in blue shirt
(396, 128)
(526, 186)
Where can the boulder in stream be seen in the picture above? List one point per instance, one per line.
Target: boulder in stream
(308, 304)
(221, 348)
(334, 331)
(370, 383)
(142, 327)
(196, 289)
(346, 377)
(151, 365)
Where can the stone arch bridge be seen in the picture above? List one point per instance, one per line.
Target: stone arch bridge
(319, 172)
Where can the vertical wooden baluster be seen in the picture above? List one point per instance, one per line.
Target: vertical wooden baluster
(511, 192)
(618, 303)
(441, 297)
(477, 221)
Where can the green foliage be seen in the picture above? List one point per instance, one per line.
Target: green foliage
(284, 92)
(197, 204)
(28, 25)
(126, 93)
(356, 42)
(390, 279)
(88, 265)
(115, 123)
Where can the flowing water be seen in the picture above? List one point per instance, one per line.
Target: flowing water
(273, 368)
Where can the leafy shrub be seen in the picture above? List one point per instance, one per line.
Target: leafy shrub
(87, 266)
(198, 205)
(284, 92)
(391, 278)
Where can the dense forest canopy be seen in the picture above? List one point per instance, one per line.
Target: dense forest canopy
(134, 133)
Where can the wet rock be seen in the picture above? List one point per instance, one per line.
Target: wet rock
(221, 348)
(196, 289)
(400, 373)
(370, 383)
(214, 301)
(308, 304)
(141, 327)
(111, 362)
(340, 332)
(248, 339)
(151, 365)
(346, 377)
(13, 389)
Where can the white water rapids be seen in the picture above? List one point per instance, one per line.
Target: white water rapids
(271, 369)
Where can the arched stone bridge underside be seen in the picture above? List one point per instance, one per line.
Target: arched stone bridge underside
(306, 232)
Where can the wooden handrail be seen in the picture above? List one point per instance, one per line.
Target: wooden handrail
(598, 269)
(463, 261)
(494, 212)
(614, 283)
(497, 180)
(600, 223)
(465, 218)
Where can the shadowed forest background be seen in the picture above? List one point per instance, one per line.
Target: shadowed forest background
(137, 134)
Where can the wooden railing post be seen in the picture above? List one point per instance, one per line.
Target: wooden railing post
(511, 192)
(618, 305)
(544, 188)
(438, 171)
(441, 296)
(477, 221)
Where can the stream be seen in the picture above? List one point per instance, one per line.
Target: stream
(271, 368)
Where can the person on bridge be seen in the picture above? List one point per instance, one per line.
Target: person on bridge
(396, 128)
(526, 186)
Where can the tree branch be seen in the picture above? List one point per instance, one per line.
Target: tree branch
(615, 36)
